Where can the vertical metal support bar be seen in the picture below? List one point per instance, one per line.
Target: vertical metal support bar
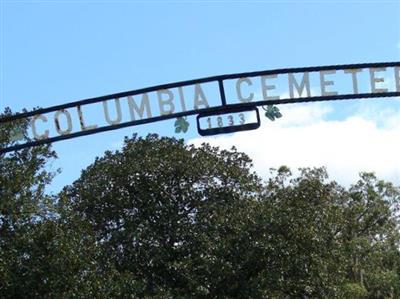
(222, 92)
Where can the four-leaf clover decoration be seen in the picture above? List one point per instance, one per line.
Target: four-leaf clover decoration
(181, 125)
(272, 112)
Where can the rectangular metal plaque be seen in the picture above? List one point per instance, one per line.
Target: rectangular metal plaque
(228, 121)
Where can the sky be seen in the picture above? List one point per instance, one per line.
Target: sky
(54, 52)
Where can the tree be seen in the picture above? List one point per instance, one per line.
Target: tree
(302, 221)
(162, 219)
(41, 254)
(153, 204)
(23, 178)
(372, 237)
(196, 222)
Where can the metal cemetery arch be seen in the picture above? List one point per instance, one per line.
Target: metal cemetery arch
(244, 104)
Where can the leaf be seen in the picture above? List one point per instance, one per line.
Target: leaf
(16, 133)
(272, 112)
(181, 125)
(270, 116)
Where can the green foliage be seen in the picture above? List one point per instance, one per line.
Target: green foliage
(162, 219)
(155, 205)
(354, 291)
(17, 133)
(23, 203)
(23, 178)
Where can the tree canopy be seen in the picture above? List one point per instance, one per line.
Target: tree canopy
(162, 219)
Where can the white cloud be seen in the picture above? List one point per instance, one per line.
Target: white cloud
(304, 137)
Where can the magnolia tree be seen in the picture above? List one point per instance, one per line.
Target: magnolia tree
(162, 219)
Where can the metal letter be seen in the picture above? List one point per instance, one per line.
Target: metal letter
(325, 83)
(107, 113)
(353, 73)
(33, 124)
(305, 82)
(199, 97)
(144, 104)
(82, 121)
(163, 102)
(376, 80)
(266, 87)
(239, 93)
(57, 122)
(182, 98)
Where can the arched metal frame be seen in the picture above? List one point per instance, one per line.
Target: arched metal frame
(206, 111)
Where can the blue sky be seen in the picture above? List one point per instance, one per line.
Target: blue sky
(53, 52)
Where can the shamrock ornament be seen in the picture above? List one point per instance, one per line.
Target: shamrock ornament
(181, 125)
(272, 112)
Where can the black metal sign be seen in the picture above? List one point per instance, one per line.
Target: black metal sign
(236, 95)
(231, 123)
